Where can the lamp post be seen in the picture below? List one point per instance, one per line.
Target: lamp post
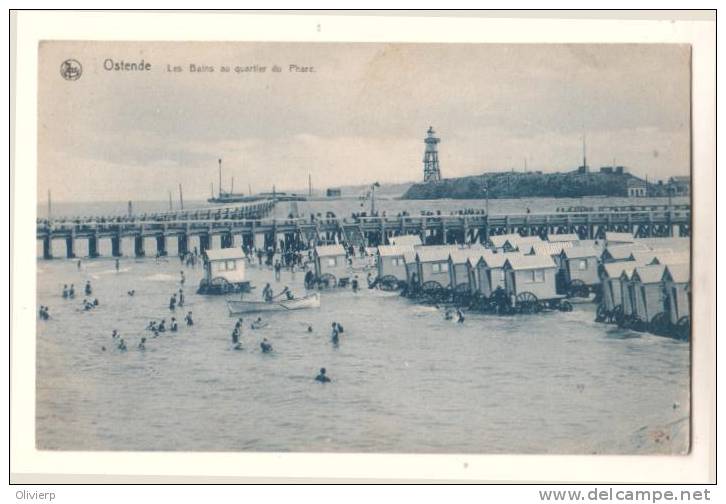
(373, 197)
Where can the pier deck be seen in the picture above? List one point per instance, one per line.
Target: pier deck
(370, 231)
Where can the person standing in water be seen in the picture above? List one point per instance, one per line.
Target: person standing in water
(65, 291)
(78, 265)
(322, 376)
(182, 279)
(172, 302)
(265, 346)
(188, 319)
(181, 298)
(142, 344)
(88, 289)
(173, 326)
(117, 265)
(334, 336)
(460, 317)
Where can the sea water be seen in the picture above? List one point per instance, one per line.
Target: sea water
(403, 378)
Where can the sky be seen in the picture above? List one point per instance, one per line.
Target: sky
(359, 116)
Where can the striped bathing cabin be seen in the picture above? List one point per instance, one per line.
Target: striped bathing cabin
(647, 292)
(677, 286)
(611, 278)
(490, 272)
(462, 276)
(530, 273)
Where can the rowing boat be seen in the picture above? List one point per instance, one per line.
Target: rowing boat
(237, 307)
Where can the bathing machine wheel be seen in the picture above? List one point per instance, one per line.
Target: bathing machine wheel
(577, 288)
(462, 295)
(683, 328)
(528, 303)
(433, 291)
(388, 283)
(661, 324)
(220, 285)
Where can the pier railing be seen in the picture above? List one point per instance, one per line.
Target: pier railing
(465, 228)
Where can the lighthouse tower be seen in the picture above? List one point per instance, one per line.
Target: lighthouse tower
(432, 173)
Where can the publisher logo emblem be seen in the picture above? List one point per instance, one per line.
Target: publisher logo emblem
(71, 70)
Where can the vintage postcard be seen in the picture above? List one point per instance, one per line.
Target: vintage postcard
(364, 247)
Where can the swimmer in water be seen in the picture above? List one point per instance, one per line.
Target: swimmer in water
(162, 326)
(114, 334)
(151, 326)
(188, 319)
(173, 325)
(265, 346)
(131, 292)
(310, 328)
(322, 376)
(95, 301)
(142, 344)
(122, 345)
(258, 324)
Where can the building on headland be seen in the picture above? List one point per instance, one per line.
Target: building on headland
(681, 185)
(637, 188)
(432, 172)
(333, 192)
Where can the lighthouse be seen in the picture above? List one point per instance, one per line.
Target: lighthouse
(432, 173)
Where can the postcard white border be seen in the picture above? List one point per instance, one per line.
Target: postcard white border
(29, 464)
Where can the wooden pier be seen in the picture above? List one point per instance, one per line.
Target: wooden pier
(250, 222)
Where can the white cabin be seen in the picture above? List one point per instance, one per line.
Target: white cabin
(331, 260)
(392, 261)
(531, 273)
(581, 263)
(226, 263)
